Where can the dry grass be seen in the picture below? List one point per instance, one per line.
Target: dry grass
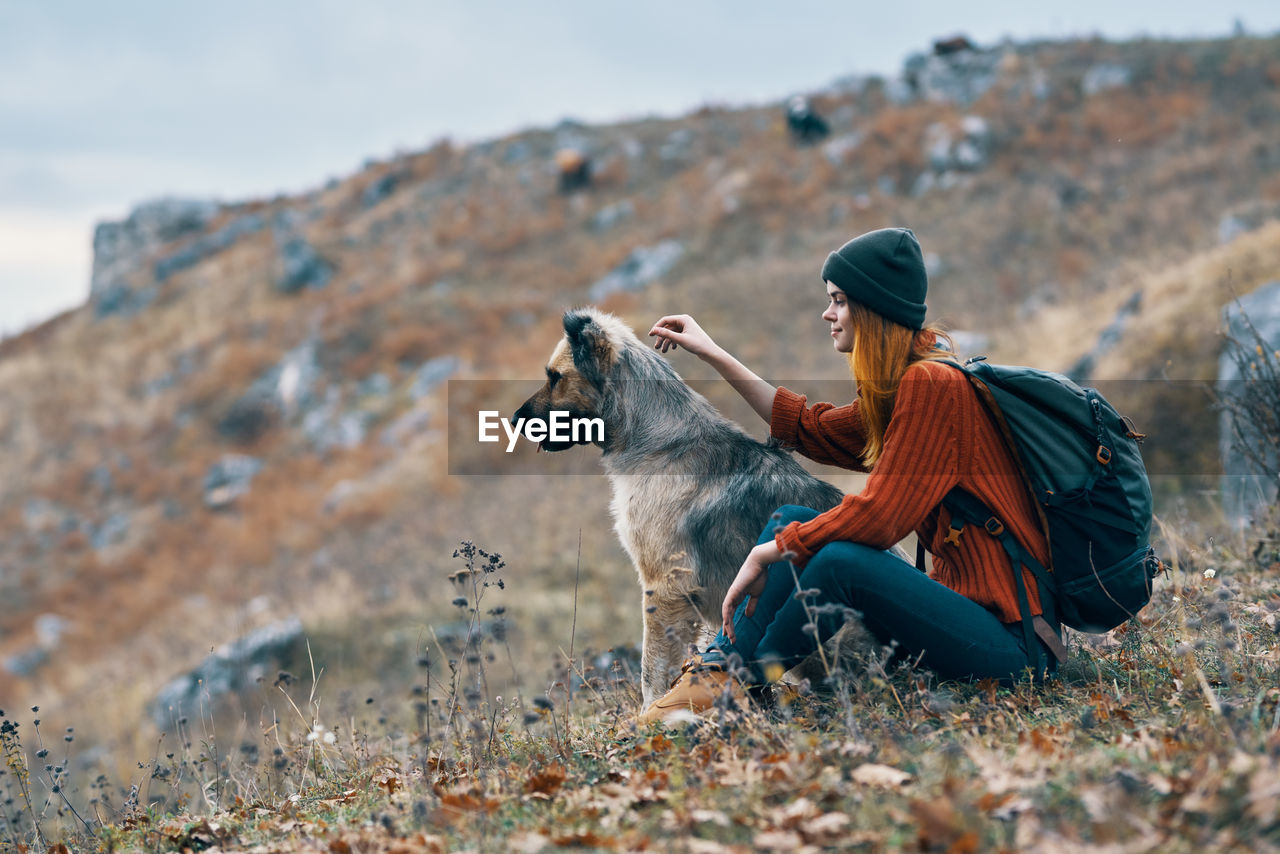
(476, 257)
(1162, 734)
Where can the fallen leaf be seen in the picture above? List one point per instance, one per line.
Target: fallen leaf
(585, 839)
(710, 817)
(390, 781)
(527, 843)
(777, 840)
(872, 774)
(708, 846)
(467, 802)
(940, 825)
(346, 797)
(1264, 797)
(796, 812)
(545, 783)
(826, 827)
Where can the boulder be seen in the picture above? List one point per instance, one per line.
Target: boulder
(1245, 218)
(49, 629)
(293, 381)
(228, 479)
(838, 149)
(401, 431)
(959, 78)
(924, 184)
(119, 298)
(677, 147)
(122, 251)
(432, 373)
(610, 215)
(644, 265)
(517, 152)
(374, 385)
(112, 530)
(381, 189)
(330, 425)
(40, 515)
(120, 247)
(287, 387)
(1107, 339)
(899, 91)
(727, 192)
(1248, 480)
(1104, 76)
(207, 245)
(26, 661)
(967, 148)
(301, 266)
(232, 667)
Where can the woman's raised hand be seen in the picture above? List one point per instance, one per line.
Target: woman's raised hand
(683, 331)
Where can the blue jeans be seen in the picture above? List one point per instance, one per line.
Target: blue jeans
(950, 634)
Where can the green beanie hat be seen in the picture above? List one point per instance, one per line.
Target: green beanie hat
(883, 270)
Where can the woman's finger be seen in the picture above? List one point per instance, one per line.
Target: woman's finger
(726, 611)
(674, 322)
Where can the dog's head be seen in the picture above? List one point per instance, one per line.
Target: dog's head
(577, 373)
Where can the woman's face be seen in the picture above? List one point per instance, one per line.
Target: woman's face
(840, 318)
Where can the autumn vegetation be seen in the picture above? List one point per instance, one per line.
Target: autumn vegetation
(1164, 734)
(432, 712)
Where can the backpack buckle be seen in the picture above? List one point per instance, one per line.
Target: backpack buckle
(953, 535)
(994, 526)
(1104, 454)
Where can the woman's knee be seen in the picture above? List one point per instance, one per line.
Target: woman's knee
(784, 516)
(841, 565)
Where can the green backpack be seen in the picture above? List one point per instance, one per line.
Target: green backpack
(1081, 462)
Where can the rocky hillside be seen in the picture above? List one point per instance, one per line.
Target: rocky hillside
(247, 423)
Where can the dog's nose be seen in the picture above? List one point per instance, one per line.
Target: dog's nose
(522, 413)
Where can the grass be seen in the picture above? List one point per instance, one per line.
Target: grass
(1164, 734)
(475, 255)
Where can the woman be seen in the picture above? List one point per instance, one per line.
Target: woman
(919, 429)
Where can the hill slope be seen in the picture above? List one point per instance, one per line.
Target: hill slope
(301, 346)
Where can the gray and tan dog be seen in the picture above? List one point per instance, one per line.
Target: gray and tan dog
(691, 490)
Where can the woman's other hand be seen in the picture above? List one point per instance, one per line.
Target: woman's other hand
(749, 584)
(683, 331)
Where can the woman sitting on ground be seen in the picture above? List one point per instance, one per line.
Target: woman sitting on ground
(918, 427)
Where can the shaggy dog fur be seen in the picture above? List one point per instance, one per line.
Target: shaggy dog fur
(691, 490)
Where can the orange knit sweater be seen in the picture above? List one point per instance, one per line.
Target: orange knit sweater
(939, 436)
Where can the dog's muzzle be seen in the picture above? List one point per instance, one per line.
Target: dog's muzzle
(532, 410)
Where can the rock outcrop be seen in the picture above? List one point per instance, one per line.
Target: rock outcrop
(232, 667)
(1248, 447)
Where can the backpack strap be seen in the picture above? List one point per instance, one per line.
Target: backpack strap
(966, 508)
(993, 409)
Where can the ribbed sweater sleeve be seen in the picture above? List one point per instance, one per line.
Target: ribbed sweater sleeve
(824, 433)
(923, 446)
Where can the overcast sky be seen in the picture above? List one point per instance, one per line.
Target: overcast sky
(103, 105)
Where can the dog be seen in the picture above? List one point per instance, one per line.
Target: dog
(691, 490)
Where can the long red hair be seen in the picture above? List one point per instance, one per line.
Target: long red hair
(882, 352)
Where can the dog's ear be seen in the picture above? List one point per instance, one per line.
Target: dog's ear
(588, 344)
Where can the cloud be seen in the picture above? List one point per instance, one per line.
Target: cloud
(44, 265)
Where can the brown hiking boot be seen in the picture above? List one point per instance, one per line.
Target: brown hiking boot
(694, 693)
